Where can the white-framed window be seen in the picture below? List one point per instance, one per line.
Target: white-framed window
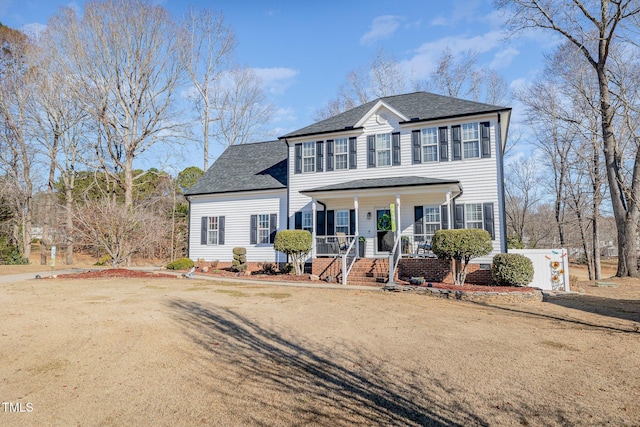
(431, 220)
(473, 215)
(341, 153)
(470, 141)
(264, 230)
(342, 221)
(213, 229)
(308, 156)
(429, 145)
(383, 149)
(307, 221)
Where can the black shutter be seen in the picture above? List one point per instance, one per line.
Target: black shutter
(298, 158)
(320, 223)
(444, 217)
(456, 142)
(204, 223)
(485, 140)
(444, 144)
(459, 216)
(273, 227)
(371, 151)
(221, 230)
(330, 155)
(489, 224)
(418, 224)
(331, 228)
(353, 153)
(254, 230)
(416, 147)
(395, 144)
(352, 222)
(319, 156)
(297, 221)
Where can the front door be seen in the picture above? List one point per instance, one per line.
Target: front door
(384, 235)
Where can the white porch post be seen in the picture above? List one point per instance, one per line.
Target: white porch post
(313, 231)
(357, 226)
(398, 227)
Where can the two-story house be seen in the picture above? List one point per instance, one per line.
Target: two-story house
(373, 182)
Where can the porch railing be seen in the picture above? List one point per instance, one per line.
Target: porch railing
(416, 245)
(333, 246)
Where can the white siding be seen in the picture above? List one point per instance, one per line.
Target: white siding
(237, 210)
(479, 177)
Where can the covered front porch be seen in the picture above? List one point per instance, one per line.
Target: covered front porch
(380, 218)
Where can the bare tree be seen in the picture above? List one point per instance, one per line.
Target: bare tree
(209, 45)
(119, 230)
(17, 154)
(598, 24)
(522, 195)
(122, 59)
(241, 107)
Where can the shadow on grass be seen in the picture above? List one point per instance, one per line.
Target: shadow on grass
(611, 307)
(301, 382)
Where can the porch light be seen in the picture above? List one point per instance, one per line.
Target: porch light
(368, 215)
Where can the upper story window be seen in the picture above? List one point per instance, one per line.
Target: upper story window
(470, 140)
(309, 157)
(383, 149)
(430, 145)
(341, 153)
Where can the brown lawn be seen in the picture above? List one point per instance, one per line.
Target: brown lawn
(155, 351)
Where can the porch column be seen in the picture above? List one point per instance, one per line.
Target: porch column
(355, 206)
(398, 227)
(313, 230)
(449, 213)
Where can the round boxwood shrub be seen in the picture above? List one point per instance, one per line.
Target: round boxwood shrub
(512, 270)
(180, 264)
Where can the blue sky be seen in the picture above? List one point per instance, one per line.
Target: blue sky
(304, 50)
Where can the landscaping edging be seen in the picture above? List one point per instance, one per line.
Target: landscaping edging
(475, 296)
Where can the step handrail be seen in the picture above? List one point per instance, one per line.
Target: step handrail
(347, 269)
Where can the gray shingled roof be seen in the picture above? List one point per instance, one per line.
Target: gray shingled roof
(416, 106)
(244, 167)
(362, 184)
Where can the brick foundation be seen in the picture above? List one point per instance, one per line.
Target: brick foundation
(436, 270)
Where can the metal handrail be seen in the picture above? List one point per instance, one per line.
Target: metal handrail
(345, 270)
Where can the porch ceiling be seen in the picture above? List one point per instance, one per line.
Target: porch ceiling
(382, 186)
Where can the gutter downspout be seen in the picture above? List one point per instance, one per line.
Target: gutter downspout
(501, 201)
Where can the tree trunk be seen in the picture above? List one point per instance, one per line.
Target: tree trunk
(68, 225)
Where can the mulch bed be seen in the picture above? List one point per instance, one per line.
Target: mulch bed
(116, 273)
(277, 277)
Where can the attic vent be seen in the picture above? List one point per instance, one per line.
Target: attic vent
(414, 119)
(348, 127)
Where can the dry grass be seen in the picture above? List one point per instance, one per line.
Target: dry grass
(145, 352)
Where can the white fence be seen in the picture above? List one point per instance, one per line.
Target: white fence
(550, 268)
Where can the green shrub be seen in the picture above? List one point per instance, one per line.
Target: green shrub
(296, 244)
(180, 264)
(10, 255)
(239, 262)
(512, 270)
(461, 246)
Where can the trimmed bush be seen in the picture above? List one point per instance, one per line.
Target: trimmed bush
(180, 264)
(296, 244)
(239, 262)
(512, 270)
(460, 246)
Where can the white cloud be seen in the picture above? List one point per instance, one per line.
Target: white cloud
(277, 79)
(284, 114)
(503, 58)
(440, 21)
(382, 27)
(33, 30)
(424, 60)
